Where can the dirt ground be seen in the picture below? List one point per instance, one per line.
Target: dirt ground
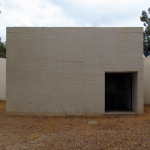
(74, 133)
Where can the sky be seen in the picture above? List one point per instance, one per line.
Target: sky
(70, 13)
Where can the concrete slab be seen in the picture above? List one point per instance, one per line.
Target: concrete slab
(120, 113)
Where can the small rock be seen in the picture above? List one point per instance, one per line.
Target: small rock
(85, 140)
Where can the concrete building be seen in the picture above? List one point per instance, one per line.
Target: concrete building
(74, 71)
(146, 80)
(2, 79)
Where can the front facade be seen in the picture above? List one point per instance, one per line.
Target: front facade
(74, 71)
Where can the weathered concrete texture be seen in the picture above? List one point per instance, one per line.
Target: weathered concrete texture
(2, 79)
(147, 80)
(59, 71)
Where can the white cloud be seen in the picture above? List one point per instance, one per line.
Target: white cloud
(102, 13)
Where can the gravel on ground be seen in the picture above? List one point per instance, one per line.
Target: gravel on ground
(74, 133)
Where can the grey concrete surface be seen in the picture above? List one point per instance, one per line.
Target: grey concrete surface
(2, 79)
(146, 80)
(61, 70)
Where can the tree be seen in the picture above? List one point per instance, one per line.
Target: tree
(3, 49)
(146, 19)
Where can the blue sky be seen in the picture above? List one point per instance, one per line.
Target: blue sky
(70, 13)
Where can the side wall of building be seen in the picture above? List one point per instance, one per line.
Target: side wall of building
(2, 79)
(147, 80)
(59, 71)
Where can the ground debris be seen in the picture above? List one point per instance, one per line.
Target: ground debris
(107, 132)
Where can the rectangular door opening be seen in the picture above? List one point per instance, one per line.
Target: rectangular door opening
(118, 91)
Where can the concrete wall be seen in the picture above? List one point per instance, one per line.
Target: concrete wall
(59, 71)
(146, 80)
(2, 79)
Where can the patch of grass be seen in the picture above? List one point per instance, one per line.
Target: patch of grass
(147, 108)
(2, 101)
(102, 122)
(34, 136)
(2, 107)
(52, 124)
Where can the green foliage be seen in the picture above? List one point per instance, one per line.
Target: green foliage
(146, 19)
(2, 49)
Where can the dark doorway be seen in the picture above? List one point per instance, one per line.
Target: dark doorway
(118, 91)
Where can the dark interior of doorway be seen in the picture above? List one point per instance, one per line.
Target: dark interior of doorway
(118, 91)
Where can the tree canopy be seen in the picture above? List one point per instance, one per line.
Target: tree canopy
(2, 49)
(146, 19)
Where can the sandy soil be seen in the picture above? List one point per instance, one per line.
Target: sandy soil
(74, 133)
